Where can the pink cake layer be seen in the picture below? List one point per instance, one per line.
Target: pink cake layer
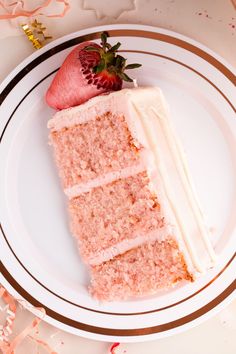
(115, 212)
(99, 146)
(139, 272)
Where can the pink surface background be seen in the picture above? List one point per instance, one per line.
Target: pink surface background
(212, 23)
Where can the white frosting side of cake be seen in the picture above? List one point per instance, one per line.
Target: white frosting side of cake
(146, 113)
(169, 175)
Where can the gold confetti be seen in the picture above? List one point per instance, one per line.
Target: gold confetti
(35, 32)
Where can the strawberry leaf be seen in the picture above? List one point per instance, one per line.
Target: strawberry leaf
(120, 62)
(100, 67)
(110, 62)
(115, 47)
(125, 77)
(132, 66)
(108, 46)
(90, 48)
(104, 36)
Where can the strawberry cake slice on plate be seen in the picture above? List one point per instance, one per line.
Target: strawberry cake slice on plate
(133, 210)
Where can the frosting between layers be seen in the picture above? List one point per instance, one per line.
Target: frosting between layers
(159, 234)
(103, 180)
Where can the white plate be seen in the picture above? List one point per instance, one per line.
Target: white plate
(39, 258)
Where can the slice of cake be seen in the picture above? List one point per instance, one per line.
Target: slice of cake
(132, 207)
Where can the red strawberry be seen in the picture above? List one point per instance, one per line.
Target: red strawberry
(88, 71)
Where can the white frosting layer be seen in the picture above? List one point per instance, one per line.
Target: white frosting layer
(157, 235)
(105, 179)
(146, 113)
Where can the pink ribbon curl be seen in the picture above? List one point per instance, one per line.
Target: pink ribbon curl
(9, 347)
(12, 12)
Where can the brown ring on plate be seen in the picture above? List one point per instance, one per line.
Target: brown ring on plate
(11, 280)
(121, 332)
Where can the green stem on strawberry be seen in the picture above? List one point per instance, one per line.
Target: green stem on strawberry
(110, 61)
